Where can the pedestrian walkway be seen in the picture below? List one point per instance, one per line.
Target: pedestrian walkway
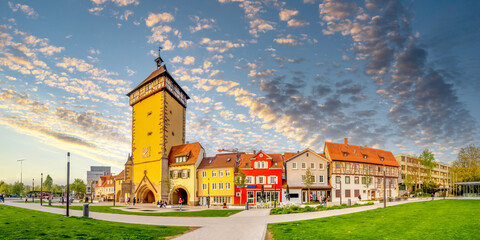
(251, 224)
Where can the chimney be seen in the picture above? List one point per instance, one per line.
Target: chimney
(346, 141)
(254, 152)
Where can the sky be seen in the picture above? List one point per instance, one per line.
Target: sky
(272, 75)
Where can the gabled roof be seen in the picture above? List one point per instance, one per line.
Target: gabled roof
(105, 180)
(288, 155)
(120, 176)
(355, 154)
(245, 160)
(219, 161)
(192, 150)
(307, 150)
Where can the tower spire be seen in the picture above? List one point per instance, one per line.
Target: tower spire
(159, 59)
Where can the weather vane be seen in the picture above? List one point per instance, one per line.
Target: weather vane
(159, 60)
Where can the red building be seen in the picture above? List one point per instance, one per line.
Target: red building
(263, 182)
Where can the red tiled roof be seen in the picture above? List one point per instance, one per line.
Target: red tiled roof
(190, 149)
(105, 180)
(219, 161)
(289, 155)
(276, 158)
(355, 154)
(120, 176)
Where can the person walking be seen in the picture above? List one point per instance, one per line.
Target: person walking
(180, 203)
(134, 200)
(433, 195)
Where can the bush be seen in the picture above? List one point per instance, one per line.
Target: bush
(294, 208)
(308, 209)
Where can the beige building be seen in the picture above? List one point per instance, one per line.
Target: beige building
(296, 166)
(410, 165)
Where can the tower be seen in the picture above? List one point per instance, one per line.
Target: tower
(158, 123)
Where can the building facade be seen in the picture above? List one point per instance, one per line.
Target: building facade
(158, 123)
(411, 168)
(263, 181)
(296, 168)
(183, 163)
(359, 171)
(216, 179)
(92, 177)
(104, 190)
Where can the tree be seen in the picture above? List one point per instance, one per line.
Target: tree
(408, 182)
(308, 180)
(78, 186)
(56, 189)
(240, 180)
(367, 180)
(467, 165)
(48, 183)
(427, 159)
(17, 189)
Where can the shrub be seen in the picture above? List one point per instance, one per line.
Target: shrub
(308, 209)
(294, 208)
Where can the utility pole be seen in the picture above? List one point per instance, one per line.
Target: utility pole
(41, 190)
(21, 169)
(68, 184)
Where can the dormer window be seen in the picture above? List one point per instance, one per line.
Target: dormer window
(345, 154)
(364, 156)
(181, 159)
(381, 159)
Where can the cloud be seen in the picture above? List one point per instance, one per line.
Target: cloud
(219, 45)
(50, 50)
(185, 44)
(95, 10)
(297, 23)
(130, 72)
(159, 34)
(201, 24)
(122, 3)
(189, 60)
(125, 15)
(260, 26)
(286, 14)
(158, 17)
(288, 40)
(23, 8)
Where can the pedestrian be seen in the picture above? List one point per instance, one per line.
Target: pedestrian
(134, 200)
(158, 204)
(359, 198)
(128, 200)
(26, 199)
(433, 195)
(165, 204)
(180, 203)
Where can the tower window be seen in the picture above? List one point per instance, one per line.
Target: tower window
(149, 113)
(149, 133)
(170, 111)
(173, 134)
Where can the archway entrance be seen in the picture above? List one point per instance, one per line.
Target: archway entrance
(118, 195)
(180, 193)
(148, 197)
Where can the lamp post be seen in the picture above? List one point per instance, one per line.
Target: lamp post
(208, 187)
(384, 186)
(33, 190)
(114, 190)
(91, 192)
(340, 191)
(68, 184)
(21, 168)
(41, 189)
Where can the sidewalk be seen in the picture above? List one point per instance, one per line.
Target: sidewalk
(251, 224)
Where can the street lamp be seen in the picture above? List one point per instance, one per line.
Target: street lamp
(384, 185)
(41, 190)
(33, 190)
(68, 184)
(114, 189)
(208, 187)
(21, 168)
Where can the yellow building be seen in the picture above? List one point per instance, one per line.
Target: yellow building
(183, 161)
(158, 123)
(216, 179)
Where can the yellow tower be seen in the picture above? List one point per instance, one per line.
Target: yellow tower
(158, 123)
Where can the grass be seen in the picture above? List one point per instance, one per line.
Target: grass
(19, 223)
(442, 219)
(203, 213)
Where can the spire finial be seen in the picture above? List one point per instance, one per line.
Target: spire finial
(159, 60)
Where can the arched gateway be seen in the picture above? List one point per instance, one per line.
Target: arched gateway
(180, 192)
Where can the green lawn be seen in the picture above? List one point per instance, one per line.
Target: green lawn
(20, 223)
(203, 213)
(442, 219)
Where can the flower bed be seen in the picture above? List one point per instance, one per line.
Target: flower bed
(297, 209)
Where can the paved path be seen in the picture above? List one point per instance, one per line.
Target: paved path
(251, 224)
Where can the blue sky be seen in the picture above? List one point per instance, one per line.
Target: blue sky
(271, 75)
